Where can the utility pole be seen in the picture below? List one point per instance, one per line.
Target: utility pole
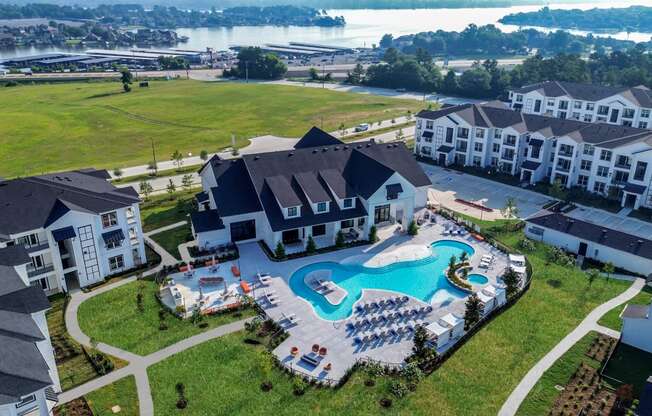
(247, 72)
(323, 79)
(154, 156)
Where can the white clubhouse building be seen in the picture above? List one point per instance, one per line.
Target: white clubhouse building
(598, 157)
(625, 106)
(77, 227)
(321, 187)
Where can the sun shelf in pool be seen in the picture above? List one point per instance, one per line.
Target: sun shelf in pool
(422, 279)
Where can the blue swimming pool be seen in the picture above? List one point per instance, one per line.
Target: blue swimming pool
(477, 279)
(423, 279)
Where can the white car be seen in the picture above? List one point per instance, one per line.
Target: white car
(362, 127)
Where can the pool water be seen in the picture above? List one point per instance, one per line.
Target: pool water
(477, 279)
(422, 279)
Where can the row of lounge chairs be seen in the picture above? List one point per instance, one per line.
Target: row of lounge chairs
(486, 261)
(389, 333)
(458, 231)
(389, 317)
(382, 303)
(271, 297)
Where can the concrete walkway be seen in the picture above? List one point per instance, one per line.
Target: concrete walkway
(137, 363)
(590, 323)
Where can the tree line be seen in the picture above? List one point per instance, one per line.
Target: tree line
(627, 19)
(170, 17)
(487, 80)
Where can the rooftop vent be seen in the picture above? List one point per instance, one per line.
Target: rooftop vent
(336, 148)
(314, 151)
(345, 147)
(324, 149)
(359, 146)
(256, 157)
(290, 154)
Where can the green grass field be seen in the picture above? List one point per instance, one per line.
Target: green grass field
(113, 318)
(160, 210)
(612, 318)
(72, 125)
(171, 239)
(476, 380)
(121, 393)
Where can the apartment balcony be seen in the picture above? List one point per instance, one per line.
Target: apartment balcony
(565, 153)
(511, 143)
(37, 247)
(131, 219)
(624, 166)
(562, 169)
(33, 272)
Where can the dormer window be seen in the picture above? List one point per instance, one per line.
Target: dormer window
(322, 207)
(347, 203)
(109, 219)
(293, 212)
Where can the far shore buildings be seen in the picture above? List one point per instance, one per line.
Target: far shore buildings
(626, 106)
(321, 187)
(602, 158)
(76, 226)
(29, 380)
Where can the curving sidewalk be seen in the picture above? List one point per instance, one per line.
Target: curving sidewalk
(137, 363)
(590, 323)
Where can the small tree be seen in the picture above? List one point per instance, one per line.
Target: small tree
(342, 129)
(177, 159)
(472, 313)
(279, 252)
(203, 155)
(313, 74)
(511, 280)
(311, 246)
(452, 263)
(510, 210)
(400, 136)
(339, 239)
(171, 188)
(609, 269)
(591, 275)
(557, 190)
(422, 354)
(117, 172)
(373, 234)
(126, 78)
(153, 168)
(412, 228)
(266, 367)
(186, 181)
(145, 189)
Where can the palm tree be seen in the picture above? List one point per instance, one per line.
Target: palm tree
(452, 262)
(464, 257)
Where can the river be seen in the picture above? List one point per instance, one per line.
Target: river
(364, 27)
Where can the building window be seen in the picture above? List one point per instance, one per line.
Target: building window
(603, 110)
(563, 164)
(645, 113)
(508, 154)
(550, 102)
(563, 105)
(116, 263)
(28, 241)
(588, 150)
(347, 224)
(575, 116)
(510, 140)
(479, 133)
(463, 132)
(24, 401)
(535, 152)
(37, 262)
(425, 150)
(620, 176)
(477, 161)
(605, 155)
(603, 171)
(622, 160)
(460, 146)
(293, 212)
(109, 219)
(348, 203)
(477, 147)
(588, 118)
(590, 106)
(582, 180)
(599, 187)
(566, 150)
(577, 105)
(639, 173)
(429, 124)
(495, 148)
(642, 124)
(43, 283)
(318, 230)
(113, 244)
(519, 98)
(627, 123)
(322, 207)
(628, 112)
(585, 164)
(536, 230)
(498, 133)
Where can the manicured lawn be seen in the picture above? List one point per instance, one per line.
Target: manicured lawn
(612, 318)
(476, 380)
(544, 393)
(161, 174)
(171, 239)
(629, 365)
(113, 318)
(121, 393)
(74, 125)
(161, 210)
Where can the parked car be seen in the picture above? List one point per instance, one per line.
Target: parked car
(362, 127)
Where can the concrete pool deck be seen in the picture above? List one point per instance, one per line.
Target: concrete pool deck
(306, 328)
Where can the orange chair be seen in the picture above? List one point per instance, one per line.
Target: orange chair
(235, 270)
(245, 287)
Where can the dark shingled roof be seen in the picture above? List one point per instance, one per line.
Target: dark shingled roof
(14, 256)
(316, 137)
(599, 134)
(640, 95)
(288, 176)
(208, 220)
(22, 368)
(29, 299)
(19, 325)
(615, 239)
(37, 201)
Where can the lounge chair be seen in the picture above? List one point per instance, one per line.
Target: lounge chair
(357, 340)
(404, 299)
(429, 309)
(349, 325)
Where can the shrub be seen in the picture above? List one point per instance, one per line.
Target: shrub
(311, 246)
(385, 402)
(373, 234)
(526, 245)
(299, 386)
(279, 252)
(412, 228)
(182, 402)
(398, 389)
(339, 239)
(412, 373)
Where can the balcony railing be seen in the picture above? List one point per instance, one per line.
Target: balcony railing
(37, 247)
(565, 153)
(33, 272)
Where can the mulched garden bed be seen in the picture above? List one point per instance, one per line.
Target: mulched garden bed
(584, 393)
(77, 407)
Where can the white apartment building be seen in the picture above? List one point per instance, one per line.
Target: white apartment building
(321, 187)
(626, 106)
(76, 226)
(29, 380)
(599, 157)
